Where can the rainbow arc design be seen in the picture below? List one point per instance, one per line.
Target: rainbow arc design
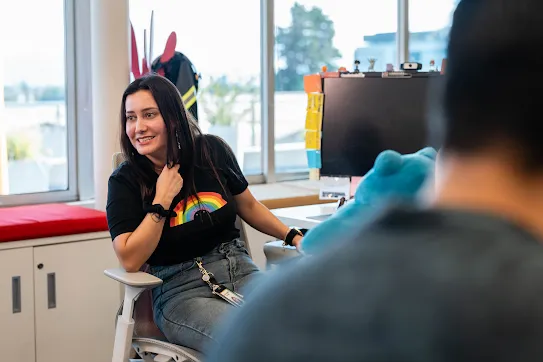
(209, 201)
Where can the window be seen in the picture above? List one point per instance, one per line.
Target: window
(311, 34)
(429, 24)
(38, 70)
(36, 152)
(223, 43)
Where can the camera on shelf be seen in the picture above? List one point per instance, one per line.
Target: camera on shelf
(411, 66)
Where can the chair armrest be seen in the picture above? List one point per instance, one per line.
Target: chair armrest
(138, 279)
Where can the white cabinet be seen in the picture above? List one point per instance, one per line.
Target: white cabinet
(67, 304)
(17, 305)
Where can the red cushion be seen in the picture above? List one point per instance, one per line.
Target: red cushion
(48, 220)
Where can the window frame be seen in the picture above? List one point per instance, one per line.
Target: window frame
(84, 165)
(402, 32)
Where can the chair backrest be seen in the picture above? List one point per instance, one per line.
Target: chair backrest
(117, 159)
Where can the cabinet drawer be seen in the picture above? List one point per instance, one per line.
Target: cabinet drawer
(17, 305)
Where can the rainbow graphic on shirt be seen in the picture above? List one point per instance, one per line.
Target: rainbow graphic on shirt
(209, 201)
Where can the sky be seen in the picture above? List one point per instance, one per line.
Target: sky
(32, 42)
(220, 37)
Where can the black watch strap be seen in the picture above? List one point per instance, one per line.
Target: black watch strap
(291, 235)
(158, 209)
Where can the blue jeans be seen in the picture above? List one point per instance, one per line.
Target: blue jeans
(184, 308)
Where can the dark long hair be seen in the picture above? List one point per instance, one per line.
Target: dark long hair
(183, 136)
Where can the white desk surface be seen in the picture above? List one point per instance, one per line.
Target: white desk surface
(296, 216)
(299, 216)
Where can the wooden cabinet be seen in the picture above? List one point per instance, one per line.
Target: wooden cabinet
(56, 304)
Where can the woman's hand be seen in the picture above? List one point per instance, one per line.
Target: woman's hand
(168, 185)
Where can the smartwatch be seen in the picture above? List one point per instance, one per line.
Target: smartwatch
(291, 235)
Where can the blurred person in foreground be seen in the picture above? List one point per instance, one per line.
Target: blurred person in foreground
(455, 278)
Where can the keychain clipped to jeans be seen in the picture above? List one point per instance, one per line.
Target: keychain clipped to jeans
(218, 289)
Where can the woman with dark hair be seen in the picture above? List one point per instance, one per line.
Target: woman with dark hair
(172, 205)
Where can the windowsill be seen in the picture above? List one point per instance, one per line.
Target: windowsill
(273, 195)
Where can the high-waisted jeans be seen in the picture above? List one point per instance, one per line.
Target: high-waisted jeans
(184, 308)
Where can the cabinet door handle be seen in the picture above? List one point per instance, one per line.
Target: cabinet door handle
(51, 291)
(16, 294)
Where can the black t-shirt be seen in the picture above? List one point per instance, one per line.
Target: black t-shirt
(203, 225)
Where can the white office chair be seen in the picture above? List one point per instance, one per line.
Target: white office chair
(135, 324)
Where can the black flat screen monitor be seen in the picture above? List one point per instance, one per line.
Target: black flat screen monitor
(364, 116)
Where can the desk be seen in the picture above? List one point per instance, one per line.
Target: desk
(296, 216)
(305, 216)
